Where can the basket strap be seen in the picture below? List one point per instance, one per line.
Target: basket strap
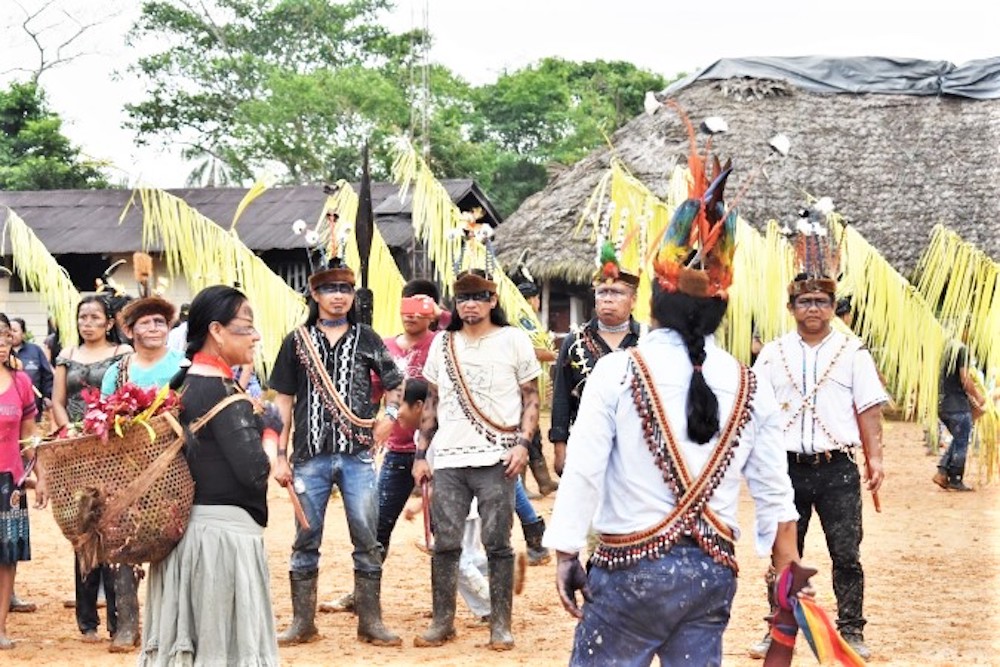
(141, 484)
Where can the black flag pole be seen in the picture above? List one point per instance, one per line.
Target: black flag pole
(364, 230)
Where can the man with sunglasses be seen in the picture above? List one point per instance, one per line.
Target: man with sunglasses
(480, 414)
(323, 371)
(831, 398)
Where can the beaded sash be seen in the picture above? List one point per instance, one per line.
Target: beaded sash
(332, 400)
(493, 432)
(691, 515)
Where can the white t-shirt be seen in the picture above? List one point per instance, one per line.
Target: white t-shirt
(494, 367)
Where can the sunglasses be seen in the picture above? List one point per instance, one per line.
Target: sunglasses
(335, 288)
(481, 297)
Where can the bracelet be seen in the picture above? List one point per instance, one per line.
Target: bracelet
(420, 455)
(524, 442)
(282, 452)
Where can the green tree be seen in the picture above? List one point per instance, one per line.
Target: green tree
(34, 154)
(302, 82)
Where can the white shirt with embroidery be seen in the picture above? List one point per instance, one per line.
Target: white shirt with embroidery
(610, 477)
(819, 388)
(494, 367)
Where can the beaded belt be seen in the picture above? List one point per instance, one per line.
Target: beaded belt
(820, 458)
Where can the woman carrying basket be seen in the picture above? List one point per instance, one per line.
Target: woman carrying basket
(77, 368)
(17, 423)
(209, 601)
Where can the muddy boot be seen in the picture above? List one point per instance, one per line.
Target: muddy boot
(546, 484)
(444, 589)
(501, 602)
(368, 605)
(127, 633)
(344, 603)
(303, 626)
(532, 495)
(537, 554)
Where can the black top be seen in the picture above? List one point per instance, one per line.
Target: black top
(226, 458)
(951, 393)
(38, 368)
(578, 353)
(318, 427)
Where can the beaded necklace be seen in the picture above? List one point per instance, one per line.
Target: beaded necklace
(614, 328)
(808, 401)
(337, 322)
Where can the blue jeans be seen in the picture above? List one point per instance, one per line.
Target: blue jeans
(525, 510)
(675, 608)
(354, 475)
(959, 424)
(395, 482)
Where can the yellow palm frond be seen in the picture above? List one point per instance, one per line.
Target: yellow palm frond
(39, 271)
(256, 190)
(206, 254)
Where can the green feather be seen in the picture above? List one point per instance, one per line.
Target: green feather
(608, 253)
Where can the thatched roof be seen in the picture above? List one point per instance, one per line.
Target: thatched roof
(894, 164)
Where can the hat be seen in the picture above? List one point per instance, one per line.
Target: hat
(137, 309)
(695, 256)
(817, 260)
(469, 282)
(610, 269)
(527, 290)
(337, 274)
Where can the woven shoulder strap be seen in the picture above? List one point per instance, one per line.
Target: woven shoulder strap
(198, 423)
(317, 371)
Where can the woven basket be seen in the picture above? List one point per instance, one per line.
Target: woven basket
(123, 500)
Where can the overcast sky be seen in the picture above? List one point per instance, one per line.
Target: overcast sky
(479, 39)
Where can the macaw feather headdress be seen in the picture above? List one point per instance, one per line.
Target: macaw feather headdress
(695, 255)
(149, 287)
(817, 255)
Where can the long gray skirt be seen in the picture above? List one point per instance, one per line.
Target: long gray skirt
(209, 601)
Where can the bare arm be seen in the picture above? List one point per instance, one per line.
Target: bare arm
(785, 549)
(529, 409)
(971, 390)
(282, 472)
(59, 414)
(545, 355)
(870, 425)
(421, 471)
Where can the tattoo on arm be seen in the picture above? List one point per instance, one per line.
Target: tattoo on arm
(529, 408)
(428, 419)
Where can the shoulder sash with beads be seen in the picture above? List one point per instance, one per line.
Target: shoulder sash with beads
(334, 403)
(494, 433)
(808, 400)
(691, 515)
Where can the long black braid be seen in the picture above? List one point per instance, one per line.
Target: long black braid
(693, 318)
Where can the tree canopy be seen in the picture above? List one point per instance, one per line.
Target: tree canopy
(34, 153)
(304, 83)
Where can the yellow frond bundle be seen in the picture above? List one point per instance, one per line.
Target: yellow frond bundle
(986, 429)
(438, 223)
(40, 273)
(256, 190)
(964, 284)
(206, 254)
(385, 280)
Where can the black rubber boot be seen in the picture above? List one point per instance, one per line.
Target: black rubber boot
(501, 602)
(540, 470)
(444, 587)
(368, 606)
(303, 626)
(127, 634)
(533, 532)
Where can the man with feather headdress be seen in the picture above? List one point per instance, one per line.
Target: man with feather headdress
(831, 398)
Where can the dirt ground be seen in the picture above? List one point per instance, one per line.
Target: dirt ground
(932, 560)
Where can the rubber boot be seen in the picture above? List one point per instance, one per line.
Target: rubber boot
(532, 495)
(444, 588)
(127, 634)
(368, 605)
(303, 627)
(501, 602)
(537, 554)
(546, 484)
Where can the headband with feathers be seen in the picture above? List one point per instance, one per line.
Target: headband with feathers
(817, 257)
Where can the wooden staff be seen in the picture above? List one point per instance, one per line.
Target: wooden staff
(425, 492)
(300, 515)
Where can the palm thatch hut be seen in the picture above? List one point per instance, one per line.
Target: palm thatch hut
(899, 145)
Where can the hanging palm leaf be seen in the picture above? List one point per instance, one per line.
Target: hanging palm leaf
(40, 272)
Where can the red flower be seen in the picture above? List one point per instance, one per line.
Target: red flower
(126, 403)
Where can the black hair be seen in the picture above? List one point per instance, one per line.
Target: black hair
(216, 303)
(528, 290)
(111, 334)
(20, 321)
(313, 316)
(422, 286)
(11, 357)
(843, 306)
(414, 390)
(693, 318)
(800, 277)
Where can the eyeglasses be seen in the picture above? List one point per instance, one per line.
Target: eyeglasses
(610, 293)
(243, 331)
(151, 323)
(480, 297)
(806, 304)
(335, 288)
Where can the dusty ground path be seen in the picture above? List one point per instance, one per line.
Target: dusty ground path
(933, 586)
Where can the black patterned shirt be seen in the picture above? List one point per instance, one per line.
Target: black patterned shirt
(319, 429)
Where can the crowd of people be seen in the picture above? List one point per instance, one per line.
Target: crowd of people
(652, 425)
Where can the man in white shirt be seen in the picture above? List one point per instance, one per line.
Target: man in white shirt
(831, 398)
(481, 413)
